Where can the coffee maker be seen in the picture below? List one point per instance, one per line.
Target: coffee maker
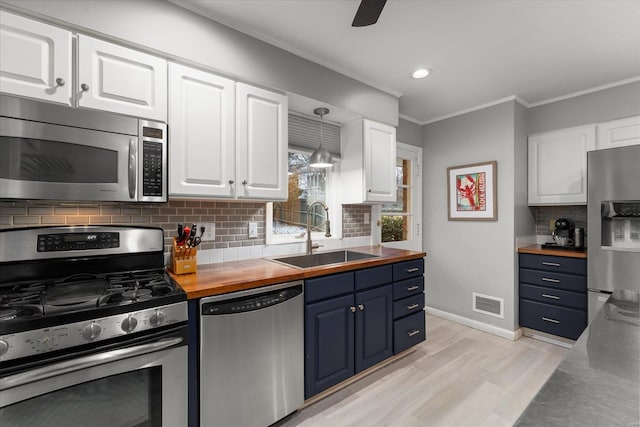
(563, 233)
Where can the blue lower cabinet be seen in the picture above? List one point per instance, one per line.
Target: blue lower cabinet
(556, 320)
(374, 327)
(329, 338)
(408, 332)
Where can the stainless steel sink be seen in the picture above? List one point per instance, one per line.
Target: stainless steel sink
(322, 258)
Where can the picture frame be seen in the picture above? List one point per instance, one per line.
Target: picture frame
(472, 192)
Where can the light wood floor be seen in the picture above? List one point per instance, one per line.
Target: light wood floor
(459, 377)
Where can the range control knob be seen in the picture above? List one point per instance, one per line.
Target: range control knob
(91, 331)
(157, 318)
(129, 324)
(4, 347)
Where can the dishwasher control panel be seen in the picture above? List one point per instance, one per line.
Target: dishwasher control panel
(251, 303)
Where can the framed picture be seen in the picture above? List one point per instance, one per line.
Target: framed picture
(472, 192)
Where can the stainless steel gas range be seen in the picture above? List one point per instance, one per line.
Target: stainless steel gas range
(92, 329)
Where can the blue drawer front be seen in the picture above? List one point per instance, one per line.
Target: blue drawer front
(554, 263)
(408, 332)
(408, 305)
(547, 279)
(404, 270)
(408, 287)
(372, 277)
(554, 296)
(561, 321)
(328, 286)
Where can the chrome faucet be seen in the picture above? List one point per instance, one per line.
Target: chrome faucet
(327, 223)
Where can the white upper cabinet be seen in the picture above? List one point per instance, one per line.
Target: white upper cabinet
(618, 133)
(201, 134)
(558, 166)
(368, 162)
(262, 141)
(121, 80)
(35, 59)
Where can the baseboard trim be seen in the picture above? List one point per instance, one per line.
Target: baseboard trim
(494, 330)
(552, 339)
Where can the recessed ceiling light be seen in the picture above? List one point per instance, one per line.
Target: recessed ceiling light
(421, 73)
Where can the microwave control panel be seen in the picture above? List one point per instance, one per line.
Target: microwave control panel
(152, 184)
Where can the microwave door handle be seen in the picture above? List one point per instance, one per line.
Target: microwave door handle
(133, 162)
(57, 369)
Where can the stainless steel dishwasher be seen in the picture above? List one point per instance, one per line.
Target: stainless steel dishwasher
(252, 356)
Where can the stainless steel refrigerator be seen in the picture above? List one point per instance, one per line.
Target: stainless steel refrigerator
(613, 223)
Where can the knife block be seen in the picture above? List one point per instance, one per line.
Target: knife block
(183, 259)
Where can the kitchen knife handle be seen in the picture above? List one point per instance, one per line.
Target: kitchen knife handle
(133, 161)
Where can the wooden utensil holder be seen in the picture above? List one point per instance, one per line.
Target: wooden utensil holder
(183, 259)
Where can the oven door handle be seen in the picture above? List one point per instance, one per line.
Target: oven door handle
(84, 362)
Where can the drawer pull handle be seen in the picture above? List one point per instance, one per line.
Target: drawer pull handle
(412, 333)
(412, 306)
(551, 264)
(546, 319)
(550, 296)
(413, 288)
(412, 270)
(546, 279)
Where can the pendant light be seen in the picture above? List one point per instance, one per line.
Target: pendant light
(320, 158)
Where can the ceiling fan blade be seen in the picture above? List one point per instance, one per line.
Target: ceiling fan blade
(368, 13)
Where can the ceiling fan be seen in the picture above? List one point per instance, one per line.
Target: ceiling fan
(368, 13)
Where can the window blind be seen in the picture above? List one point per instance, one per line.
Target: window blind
(304, 134)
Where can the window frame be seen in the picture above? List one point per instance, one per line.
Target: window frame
(333, 202)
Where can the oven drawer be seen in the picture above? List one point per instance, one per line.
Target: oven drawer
(568, 282)
(408, 332)
(408, 287)
(561, 321)
(409, 305)
(554, 296)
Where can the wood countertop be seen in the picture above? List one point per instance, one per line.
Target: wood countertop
(225, 277)
(538, 250)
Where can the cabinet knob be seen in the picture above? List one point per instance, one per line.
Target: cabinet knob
(244, 182)
(231, 181)
(361, 307)
(353, 309)
(84, 87)
(369, 191)
(60, 81)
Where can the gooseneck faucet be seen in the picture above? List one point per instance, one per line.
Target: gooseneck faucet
(327, 223)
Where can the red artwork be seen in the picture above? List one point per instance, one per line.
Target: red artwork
(471, 192)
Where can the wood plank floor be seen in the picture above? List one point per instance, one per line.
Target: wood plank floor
(459, 377)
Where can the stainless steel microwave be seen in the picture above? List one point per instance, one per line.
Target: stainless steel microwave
(56, 152)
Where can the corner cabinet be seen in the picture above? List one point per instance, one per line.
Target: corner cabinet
(558, 166)
(368, 162)
(121, 80)
(36, 60)
(352, 322)
(228, 140)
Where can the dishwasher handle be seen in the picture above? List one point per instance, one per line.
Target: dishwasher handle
(245, 301)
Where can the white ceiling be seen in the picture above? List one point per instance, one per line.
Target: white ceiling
(480, 51)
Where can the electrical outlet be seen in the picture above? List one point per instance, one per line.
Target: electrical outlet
(253, 230)
(209, 231)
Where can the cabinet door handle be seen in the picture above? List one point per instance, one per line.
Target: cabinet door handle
(244, 182)
(60, 81)
(550, 296)
(414, 332)
(361, 307)
(546, 319)
(353, 309)
(412, 306)
(412, 270)
(551, 264)
(412, 288)
(84, 87)
(230, 182)
(546, 279)
(369, 191)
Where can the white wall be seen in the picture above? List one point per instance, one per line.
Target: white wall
(473, 256)
(164, 28)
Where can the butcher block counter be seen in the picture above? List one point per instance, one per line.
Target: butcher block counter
(225, 277)
(538, 250)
